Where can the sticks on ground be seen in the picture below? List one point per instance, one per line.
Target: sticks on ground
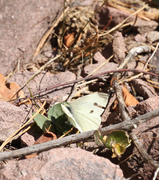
(125, 125)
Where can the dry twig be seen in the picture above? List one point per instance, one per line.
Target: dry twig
(125, 125)
(143, 153)
(134, 52)
(121, 102)
(97, 76)
(125, 117)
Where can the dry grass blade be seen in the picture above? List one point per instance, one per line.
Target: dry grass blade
(151, 56)
(14, 135)
(46, 35)
(100, 66)
(122, 23)
(131, 78)
(122, 6)
(126, 7)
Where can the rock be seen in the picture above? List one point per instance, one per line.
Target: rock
(143, 89)
(147, 105)
(62, 163)
(11, 119)
(99, 57)
(100, 60)
(143, 26)
(147, 134)
(106, 67)
(23, 23)
(43, 81)
(140, 38)
(119, 49)
(153, 36)
(140, 26)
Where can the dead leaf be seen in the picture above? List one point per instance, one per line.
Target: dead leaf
(2, 80)
(115, 105)
(129, 99)
(47, 136)
(69, 39)
(8, 91)
(14, 87)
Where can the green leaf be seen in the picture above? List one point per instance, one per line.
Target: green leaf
(43, 122)
(59, 120)
(118, 150)
(118, 141)
(56, 121)
(55, 111)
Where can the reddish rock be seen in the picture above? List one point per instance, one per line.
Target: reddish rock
(119, 49)
(141, 25)
(23, 23)
(62, 163)
(140, 38)
(99, 57)
(152, 36)
(142, 88)
(43, 81)
(147, 134)
(107, 67)
(11, 119)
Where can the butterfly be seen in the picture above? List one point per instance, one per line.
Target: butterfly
(84, 113)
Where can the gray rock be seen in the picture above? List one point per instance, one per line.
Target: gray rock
(153, 36)
(11, 119)
(62, 164)
(23, 23)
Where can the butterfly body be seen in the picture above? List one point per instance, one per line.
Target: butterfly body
(84, 113)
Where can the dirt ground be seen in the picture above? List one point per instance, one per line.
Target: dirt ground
(79, 37)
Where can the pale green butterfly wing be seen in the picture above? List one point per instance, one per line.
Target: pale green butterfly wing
(84, 113)
(67, 109)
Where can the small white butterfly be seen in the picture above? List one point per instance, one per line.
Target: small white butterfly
(84, 113)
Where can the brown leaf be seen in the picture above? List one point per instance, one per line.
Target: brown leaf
(47, 136)
(129, 99)
(14, 88)
(2, 80)
(69, 39)
(115, 105)
(7, 91)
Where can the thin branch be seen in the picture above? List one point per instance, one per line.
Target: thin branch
(41, 69)
(133, 53)
(98, 76)
(125, 125)
(151, 57)
(155, 174)
(120, 24)
(119, 95)
(16, 134)
(142, 151)
(74, 90)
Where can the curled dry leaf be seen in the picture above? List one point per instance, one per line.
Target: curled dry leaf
(69, 39)
(47, 136)
(129, 99)
(8, 91)
(2, 80)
